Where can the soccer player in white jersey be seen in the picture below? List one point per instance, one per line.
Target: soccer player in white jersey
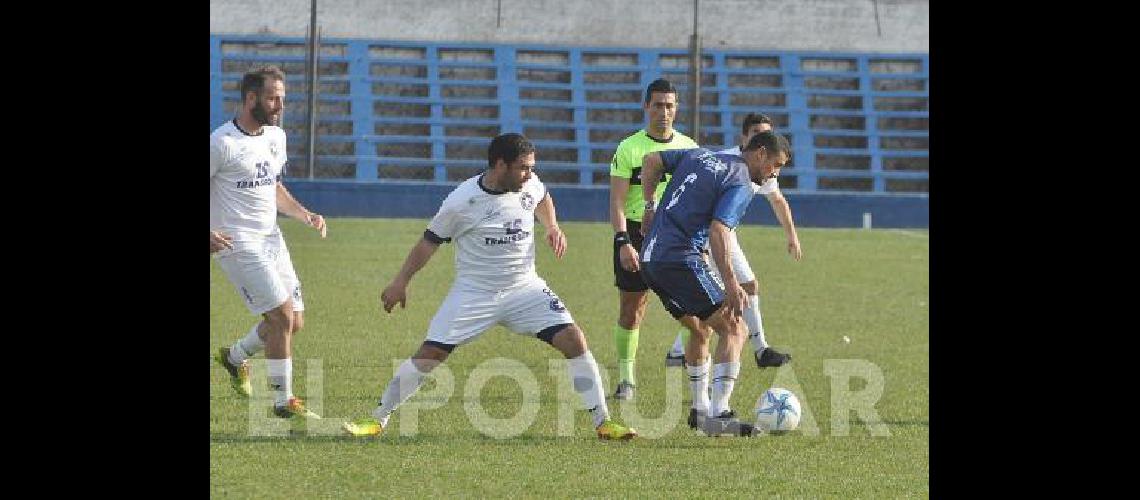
(490, 218)
(247, 162)
(763, 354)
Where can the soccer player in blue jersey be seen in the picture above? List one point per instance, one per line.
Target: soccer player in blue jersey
(764, 354)
(702, 204)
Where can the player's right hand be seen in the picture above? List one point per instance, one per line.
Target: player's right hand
(629, 258)
(393, 294)
(220, 241)
(734, 299)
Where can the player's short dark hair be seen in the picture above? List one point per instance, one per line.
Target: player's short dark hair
(508, 147)
(254, 80)
(755, 119)
(771, 141)
(659, 85)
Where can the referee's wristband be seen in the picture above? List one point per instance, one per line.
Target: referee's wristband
(621, 238)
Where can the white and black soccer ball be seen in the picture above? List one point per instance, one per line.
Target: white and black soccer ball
(777, 411)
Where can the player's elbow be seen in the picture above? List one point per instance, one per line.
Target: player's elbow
(719, 227)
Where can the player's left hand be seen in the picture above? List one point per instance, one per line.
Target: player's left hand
(557, 240)
(794, 249)
(317, 221)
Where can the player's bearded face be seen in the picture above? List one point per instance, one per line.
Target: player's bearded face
(267, 108)
(771, 165)
(262, 114)
(518, 173)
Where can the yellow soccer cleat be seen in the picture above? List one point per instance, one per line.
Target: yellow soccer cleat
(239, 374)
(363, 427)
(613, 430)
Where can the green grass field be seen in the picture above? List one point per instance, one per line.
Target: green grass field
(871, 286)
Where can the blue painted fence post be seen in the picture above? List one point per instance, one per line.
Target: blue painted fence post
(799, 124)
(360, 92)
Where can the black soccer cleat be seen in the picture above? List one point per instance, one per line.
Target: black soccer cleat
(624, 391)
(696, 418)
(726, 423)
(771, 357)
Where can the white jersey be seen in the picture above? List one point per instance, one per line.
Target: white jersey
(493, 233)
(768, 187)
(244, 172)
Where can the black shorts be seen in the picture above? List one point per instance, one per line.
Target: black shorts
(685, 288)
(625, 280)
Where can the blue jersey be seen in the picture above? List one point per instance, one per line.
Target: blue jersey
(705, 186)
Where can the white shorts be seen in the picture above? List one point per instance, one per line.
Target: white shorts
(467, 312)
(740, 265)
(262, 272)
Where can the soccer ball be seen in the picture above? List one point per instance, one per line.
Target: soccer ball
(777, 411)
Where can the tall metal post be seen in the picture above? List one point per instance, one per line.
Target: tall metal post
(695, 77)
(314, 87)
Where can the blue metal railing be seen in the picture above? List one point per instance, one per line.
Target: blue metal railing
(587, 99)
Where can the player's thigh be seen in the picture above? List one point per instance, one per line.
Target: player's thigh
(254, 276)
(288, 274)
(685, 288)
(740, 266)
(464, 315)
(533, 308)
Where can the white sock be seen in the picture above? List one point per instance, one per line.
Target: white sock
(406, 382)
(699, 382)
(281, 380)
(724, 378)
(755, 325)
(587, 382)
(247, 347)
(678, 345)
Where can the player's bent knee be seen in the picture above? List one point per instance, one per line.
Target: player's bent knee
(431, 354)
(280, 319)
(697, 329)
(733, 327)
(298, 322)
(567, 338)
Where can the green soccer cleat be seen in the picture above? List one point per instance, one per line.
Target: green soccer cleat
(363, 427)
(613, 430)
(239, 374)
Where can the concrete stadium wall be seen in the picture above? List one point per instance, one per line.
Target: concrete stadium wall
(824, 25)
(353, 199)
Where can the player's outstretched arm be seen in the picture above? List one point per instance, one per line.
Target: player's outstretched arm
(784, 214)
(289, 205)
(545, 214)
(397, 291)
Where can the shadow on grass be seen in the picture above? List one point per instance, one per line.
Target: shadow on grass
(393, 440)
(681, 441)
(894, 423)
